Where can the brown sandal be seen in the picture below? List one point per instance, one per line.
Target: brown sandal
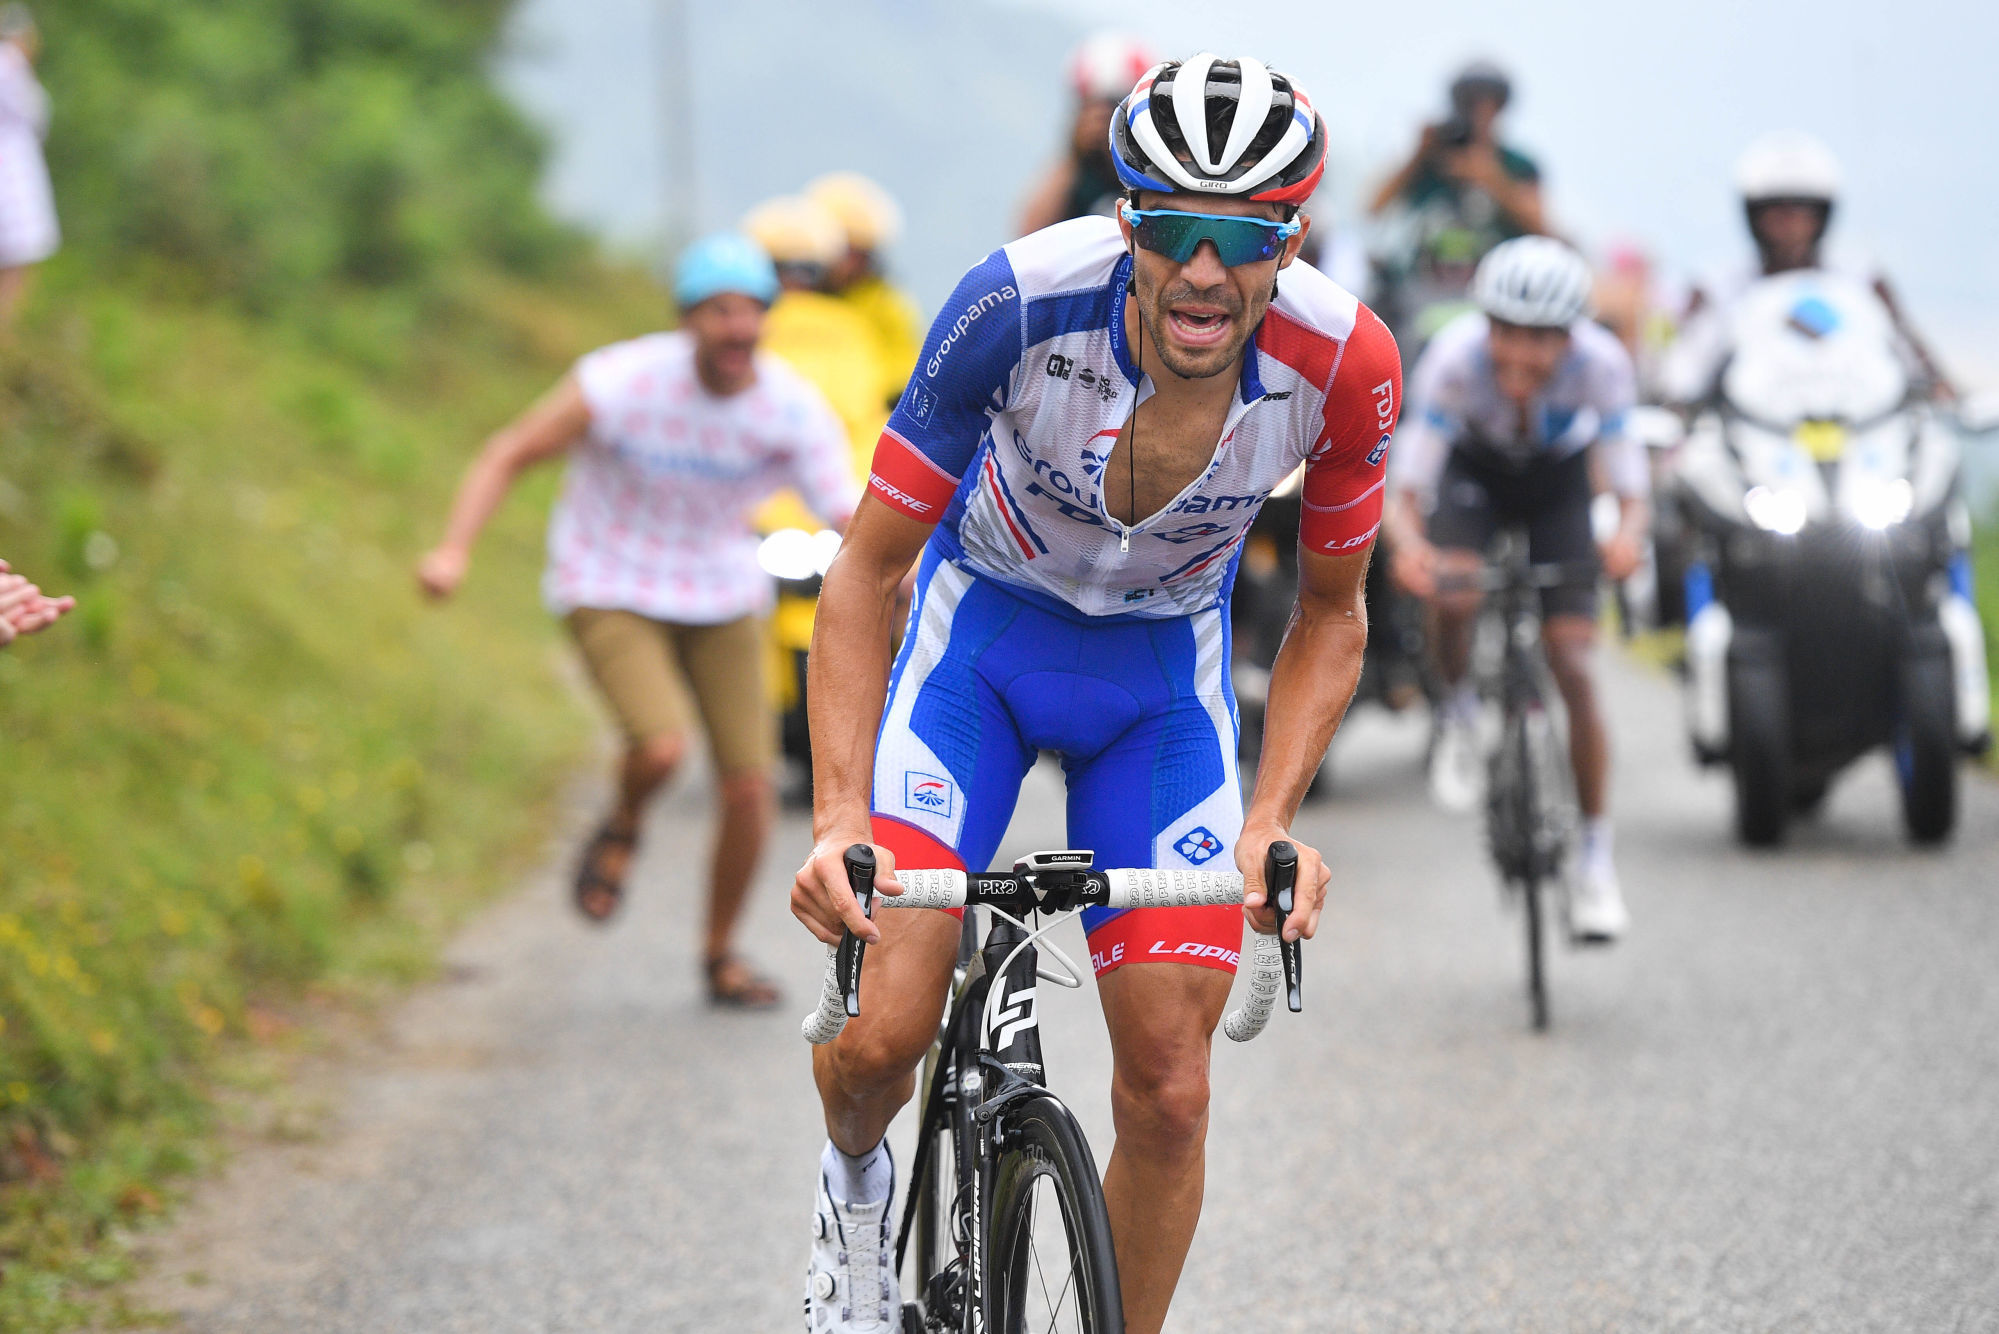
(596, 895)
(750, 991)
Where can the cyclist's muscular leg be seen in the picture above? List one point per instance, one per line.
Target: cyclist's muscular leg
(1571, 644)
(1162, 1019)
(868, 1073)
(1453, 611)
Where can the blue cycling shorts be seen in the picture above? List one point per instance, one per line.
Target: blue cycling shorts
(1141, 712)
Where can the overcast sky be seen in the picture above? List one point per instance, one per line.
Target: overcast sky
(1636, 117)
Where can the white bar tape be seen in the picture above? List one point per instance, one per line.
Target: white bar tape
(926, 889)
(1173, 888)
(1266, 979)
(824, 1024)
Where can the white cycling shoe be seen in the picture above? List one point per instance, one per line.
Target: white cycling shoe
(1457, 763)
(1597, 915)
(850, 1287)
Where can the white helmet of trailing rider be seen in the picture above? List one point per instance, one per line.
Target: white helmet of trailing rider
(1105, 65)
(1787, 164)
(1534, 281)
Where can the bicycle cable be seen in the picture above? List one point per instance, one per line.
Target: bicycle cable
(1071, 976)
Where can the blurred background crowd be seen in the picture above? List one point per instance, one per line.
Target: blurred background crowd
(268, 270)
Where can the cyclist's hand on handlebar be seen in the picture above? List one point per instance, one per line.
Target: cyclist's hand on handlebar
(1310, 894)
(821, 897)
(1414, 566)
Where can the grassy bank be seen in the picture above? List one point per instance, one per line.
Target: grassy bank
(304, 274)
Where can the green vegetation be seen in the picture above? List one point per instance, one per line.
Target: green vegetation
(304, 274)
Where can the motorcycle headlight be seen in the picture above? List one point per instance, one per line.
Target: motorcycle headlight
(1879, 505)
(788, 553)
(1782, 512)
(825, 546)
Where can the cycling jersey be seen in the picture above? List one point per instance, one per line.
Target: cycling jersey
(655, 502)
(1458, 406)
(1025, 382)
(1043, 624)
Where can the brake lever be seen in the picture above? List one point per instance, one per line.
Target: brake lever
(1280, 879)
(860, 860)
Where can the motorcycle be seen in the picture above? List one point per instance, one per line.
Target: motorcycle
(796, 560)
(1828, 582)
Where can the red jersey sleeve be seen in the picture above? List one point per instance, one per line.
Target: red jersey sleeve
(1348, 465)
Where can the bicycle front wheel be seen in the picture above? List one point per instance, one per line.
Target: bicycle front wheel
(1050, 1266)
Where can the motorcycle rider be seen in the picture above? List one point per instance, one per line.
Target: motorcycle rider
(1506, 408)
(1102, 70)
(872, 221)
(1789, 182)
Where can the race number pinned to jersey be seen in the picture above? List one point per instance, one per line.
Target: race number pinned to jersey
(928, 793)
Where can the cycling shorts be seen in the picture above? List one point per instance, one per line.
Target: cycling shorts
(1481, 490)
(1141, 713)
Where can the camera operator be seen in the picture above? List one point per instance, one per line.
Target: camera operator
(1460, 161)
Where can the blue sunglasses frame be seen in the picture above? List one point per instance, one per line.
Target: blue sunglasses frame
(1177, 234)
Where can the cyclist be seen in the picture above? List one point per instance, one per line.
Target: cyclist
(1509, 402)
(671, 439)
(1085, 182)
(1790, 183)
(1099, 412)
(872, 220)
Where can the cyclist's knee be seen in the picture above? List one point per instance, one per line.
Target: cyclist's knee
(1571, 644)
(876, 1059)
(1162, 1102)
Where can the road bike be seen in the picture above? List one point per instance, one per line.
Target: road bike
(1530, 804)
(1005, 1207)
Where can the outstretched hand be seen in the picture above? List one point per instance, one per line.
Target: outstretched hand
(24, 608)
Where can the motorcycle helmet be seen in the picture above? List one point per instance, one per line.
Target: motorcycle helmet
(1535, 281)
(1787, 167)
(796, 232)
(1219, 127)
(869, 214)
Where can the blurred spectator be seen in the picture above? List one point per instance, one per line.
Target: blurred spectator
(872, 221)
(671, 441)
(1102, 70)
(24, 608)
(1457, 196)
(28, 233)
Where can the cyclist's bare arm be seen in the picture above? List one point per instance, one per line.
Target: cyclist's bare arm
(846, 688)
(1311, 683)
(555, 422)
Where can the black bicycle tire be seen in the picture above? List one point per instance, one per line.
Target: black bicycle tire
(1043, 1140)
(1529, 818)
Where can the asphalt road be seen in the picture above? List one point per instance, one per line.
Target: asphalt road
(1774, 1107)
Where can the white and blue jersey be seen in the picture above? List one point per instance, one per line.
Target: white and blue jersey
(1042, 623)
(1457, 404)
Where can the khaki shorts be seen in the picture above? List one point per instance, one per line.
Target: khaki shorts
(655, 675)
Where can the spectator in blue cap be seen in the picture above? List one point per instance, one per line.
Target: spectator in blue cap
(672, 440)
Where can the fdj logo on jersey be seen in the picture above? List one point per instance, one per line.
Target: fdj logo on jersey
(1198, 845)
(927, 793)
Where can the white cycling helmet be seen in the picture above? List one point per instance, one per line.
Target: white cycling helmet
(1223, 127)
(1787, 164)
(1534, 281)
(1106, 64)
